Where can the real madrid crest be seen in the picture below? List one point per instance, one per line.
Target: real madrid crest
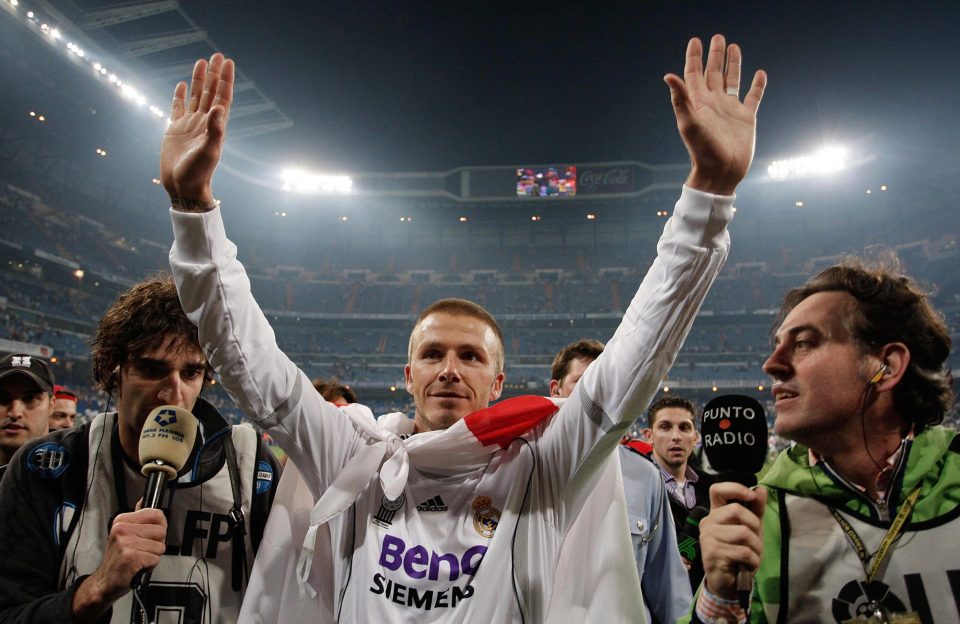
(486, 517)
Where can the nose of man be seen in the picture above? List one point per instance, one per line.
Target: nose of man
(450, 372)
(16, 409)
(170, 390)
(775, 365)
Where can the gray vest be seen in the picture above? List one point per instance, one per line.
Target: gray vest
(193, 582)
(822, 579)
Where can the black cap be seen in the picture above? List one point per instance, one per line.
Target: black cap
(33, 367)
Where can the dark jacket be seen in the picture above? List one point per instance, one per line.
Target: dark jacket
(702, 491)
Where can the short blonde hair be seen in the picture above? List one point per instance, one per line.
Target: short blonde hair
(461, 307)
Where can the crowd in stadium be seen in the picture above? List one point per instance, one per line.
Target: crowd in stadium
(595, 481)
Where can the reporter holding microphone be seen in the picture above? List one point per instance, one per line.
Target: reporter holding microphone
(76, 544)
(860, 518)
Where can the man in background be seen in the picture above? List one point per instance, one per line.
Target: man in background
(64, 409)
(335, 392)
(663, 578)
(672, 432)
(26, 402)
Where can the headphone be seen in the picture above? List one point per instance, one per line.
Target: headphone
(884, 369)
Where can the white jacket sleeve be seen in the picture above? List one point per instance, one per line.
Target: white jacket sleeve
(240, 344)
(619, 385)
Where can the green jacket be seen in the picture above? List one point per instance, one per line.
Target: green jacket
(797, 507)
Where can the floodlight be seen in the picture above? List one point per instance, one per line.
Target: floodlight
(130, 93)
(827, 161)
(300, 181)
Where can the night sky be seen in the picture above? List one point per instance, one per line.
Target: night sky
(429, 86)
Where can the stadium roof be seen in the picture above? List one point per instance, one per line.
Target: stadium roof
(374, 87)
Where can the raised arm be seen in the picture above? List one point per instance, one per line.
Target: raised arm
(719, 132)
(193, 142)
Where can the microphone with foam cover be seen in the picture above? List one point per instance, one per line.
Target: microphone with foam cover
(734, 431)
(165, 444)
(166, 441)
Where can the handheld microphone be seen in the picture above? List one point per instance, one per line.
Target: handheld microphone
(734, 431)
(165, 444)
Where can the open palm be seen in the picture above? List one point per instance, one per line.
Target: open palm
(718, 129)
(194, 139)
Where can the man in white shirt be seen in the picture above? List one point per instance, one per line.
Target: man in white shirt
(408, 510)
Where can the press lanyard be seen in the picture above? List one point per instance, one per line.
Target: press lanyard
(879, 558)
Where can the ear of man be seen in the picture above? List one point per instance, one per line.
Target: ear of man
(555, 388)
(894, 361)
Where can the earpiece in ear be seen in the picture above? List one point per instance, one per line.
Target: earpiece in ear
(884, 369)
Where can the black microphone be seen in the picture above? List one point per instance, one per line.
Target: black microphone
(166, 441)
(689, 542)
(734, 431)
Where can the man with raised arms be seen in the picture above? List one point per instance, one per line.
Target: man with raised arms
(461, 513)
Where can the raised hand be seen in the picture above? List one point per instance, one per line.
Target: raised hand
(718, 129)
(194, 139)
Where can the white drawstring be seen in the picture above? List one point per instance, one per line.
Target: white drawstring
(347, 487)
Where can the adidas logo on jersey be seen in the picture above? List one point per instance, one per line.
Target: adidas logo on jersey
(434, 504)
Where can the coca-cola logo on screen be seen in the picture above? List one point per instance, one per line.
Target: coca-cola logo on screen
(615, 179)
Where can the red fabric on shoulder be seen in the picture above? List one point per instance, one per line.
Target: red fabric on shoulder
(509, 419)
